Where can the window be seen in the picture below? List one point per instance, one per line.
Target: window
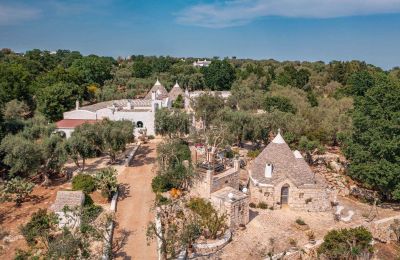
(301, 195)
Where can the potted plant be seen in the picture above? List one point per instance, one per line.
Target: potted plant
(311, 237)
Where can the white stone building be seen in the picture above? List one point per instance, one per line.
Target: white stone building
(201, 63)
(140, 111)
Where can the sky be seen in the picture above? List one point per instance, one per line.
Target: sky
(309, 30)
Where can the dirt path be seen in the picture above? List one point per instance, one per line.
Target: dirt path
(135, 202)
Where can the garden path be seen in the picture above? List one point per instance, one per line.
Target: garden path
(134, 208)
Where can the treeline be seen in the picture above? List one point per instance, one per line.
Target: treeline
(314, 103)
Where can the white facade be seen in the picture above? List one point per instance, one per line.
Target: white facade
(141, 112)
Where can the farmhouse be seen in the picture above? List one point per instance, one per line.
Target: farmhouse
(280, 177)
(140, 111)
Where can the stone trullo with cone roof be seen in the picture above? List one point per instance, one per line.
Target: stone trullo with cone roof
(281, 177)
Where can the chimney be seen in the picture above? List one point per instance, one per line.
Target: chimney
(268, 170)
(77, 104)
(236, 164)
(153, 95)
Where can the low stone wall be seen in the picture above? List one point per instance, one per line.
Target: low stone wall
(110, 229)
(132, 154)
(380, 229)
(207, 248)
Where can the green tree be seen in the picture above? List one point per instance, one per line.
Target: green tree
(359, 83)
(179, 102)
(83, 143)
(353, 243)
(14, 83)
(207, 106)
(23, 156)
(219, 75)
(141, 69)
(54, 155)
(374, 146)
(93, 69)
(58, 98)
(171, 122)
(280, 103)
(115, 135)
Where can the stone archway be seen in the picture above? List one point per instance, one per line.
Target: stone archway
(285, 194)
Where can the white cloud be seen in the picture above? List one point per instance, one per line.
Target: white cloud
(238, 12)
(16, 14)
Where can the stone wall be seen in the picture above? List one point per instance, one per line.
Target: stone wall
(237, 211)
(207, 248)
(228, 178)
(307, 199)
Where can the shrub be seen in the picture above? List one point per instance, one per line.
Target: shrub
(161, 183)
(300, 222)
(253, 154)
(339, 244)
(106, 181)
(292, 242)
(150, 137)
(84, 182)
(229, 154)
(262, 205)
(252, 205)
(39, 226)
(209, 217)
(161, 200)
(17, 190)
(308, 200)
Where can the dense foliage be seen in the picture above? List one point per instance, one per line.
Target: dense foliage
(311, 102)
(353, 243)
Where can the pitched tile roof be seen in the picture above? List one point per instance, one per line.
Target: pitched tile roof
(285, 165)
(72, 123)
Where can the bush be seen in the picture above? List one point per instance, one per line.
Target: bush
(300, 222)
(308, 200)
(161, 183)
(252, 205)
(41, 224)
(161, 200)
(84, 182)
(262, 205)
(106, 181)
(339, 244)
(150, 137)
(253, 154)
(16, 189)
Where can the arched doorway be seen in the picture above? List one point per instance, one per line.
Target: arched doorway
(285, 194)
(139, 124)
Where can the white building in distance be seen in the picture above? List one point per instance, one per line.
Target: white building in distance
(201, 63)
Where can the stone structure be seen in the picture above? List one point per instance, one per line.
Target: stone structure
(201, 63)
(140, 111)
(72, 200)
(280, 177)
(222, 189)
